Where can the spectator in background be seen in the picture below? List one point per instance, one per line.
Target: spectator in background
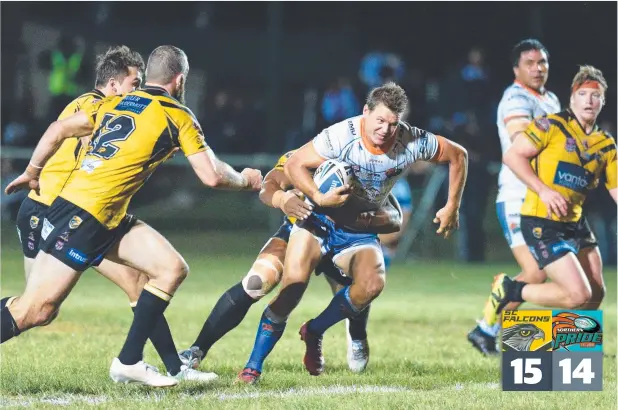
(65, 65)
(377, 67)
(339, 102)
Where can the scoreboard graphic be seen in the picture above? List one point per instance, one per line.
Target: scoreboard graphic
(546, 350)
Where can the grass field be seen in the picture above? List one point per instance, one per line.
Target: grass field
(420, 357)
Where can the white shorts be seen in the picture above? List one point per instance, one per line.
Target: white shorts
(509, 216)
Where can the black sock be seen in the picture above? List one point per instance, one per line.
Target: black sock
(514, 291)
(163, 342)
(147, 313)
(358, 325)
(8, 327)
(3, 301)
(229, 311)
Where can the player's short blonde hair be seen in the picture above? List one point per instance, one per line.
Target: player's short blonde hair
(588, 74)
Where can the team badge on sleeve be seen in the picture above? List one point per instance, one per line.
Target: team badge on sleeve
(542, 124)
(75, 222)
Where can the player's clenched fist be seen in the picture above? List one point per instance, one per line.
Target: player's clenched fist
(254, 178)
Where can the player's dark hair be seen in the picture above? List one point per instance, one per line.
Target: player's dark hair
(588, 73)
(391, 95)
(115, 63)
(165, 63)
(526, 45)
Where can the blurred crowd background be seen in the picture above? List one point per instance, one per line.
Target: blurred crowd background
(267, 76)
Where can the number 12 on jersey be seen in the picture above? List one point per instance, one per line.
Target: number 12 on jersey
(547, 371)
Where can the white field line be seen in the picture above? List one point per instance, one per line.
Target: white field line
(70, 399)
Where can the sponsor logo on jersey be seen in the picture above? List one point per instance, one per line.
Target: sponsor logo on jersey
(537, 232)
(563, 246)
(75, 222)
(77, 256)
(351, 128)
(572, 176)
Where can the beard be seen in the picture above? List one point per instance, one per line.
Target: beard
(179, 94)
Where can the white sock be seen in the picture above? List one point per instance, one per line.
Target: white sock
(489, 330)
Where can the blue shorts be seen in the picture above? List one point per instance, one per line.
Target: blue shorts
(401, 191)
(326, 265)
(284, 230)
(336, 241)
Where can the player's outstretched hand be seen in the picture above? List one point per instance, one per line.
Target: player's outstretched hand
(334, 198)
(24, 181)
(254, 178)
(292, 205)
(555, 202)
(448, 218)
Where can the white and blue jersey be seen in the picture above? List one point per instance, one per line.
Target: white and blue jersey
(518, 102)
(403, 194)
(375, 173)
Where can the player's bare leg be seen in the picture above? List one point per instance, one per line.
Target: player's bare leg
(146, 250)
(233, 305)
(569, 289)
(7, 301)
(367, 268)
(302, 256)
(592, 263)
(484, 336)
(49, 284)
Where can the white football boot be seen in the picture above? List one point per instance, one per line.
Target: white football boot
(188, 374)
(139, 373)
(192, 357)
(358, 351)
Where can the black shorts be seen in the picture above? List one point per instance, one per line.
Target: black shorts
(326, 265)
(550, 240)
(76, 238)
(29, 223)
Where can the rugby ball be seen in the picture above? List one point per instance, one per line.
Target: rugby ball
(332, 174)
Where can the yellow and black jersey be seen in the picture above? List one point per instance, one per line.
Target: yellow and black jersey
(284, 158)
(59, 167)
(569, 162)
(134, 134)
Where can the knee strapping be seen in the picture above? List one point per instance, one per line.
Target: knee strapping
(256, 283)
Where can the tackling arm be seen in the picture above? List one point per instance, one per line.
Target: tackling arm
(220, 175)
(387, 219)
(297, 169)
(277, 192)
(516, 126)
(75, 126)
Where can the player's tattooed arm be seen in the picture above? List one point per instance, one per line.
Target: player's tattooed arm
(387, 219)
(278, 192)
(75, 126)
(219, 175)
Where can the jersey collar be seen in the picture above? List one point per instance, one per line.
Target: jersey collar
(367, 142)
(98, 92)
(155, 90)
(531, 90)
(595, 127)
